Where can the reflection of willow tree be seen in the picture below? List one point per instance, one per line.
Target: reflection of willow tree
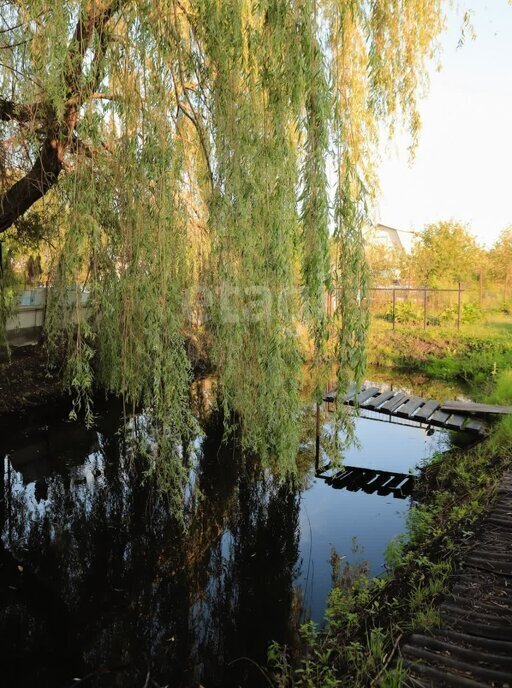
(251, 590)
(113, 585)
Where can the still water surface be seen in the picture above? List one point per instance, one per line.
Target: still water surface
(99, 581)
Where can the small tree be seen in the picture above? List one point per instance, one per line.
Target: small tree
(444, 254)
(384, 264)
(501, 259)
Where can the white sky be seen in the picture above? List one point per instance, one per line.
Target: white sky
(462, 168)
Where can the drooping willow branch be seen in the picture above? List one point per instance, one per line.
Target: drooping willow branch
(221, 149)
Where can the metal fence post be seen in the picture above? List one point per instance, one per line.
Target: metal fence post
(424, 308)
(459, 307)
(394, 307)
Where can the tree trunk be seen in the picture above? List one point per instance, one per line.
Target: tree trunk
(30, 188)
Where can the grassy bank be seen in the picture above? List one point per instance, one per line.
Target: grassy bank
(476, 355)
(367, 618)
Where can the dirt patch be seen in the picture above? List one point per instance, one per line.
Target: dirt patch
(402, 345)
(26, 382)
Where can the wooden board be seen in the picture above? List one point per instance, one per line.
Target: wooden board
(394, 403)
(455, 422)
(470, 407)
(426, 411)
(476, 425)
(439, 417)
(410, 407)
(367, 394)
(351, 392)
(377, 401)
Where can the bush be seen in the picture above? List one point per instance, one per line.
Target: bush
(405, 312)
(470, 313)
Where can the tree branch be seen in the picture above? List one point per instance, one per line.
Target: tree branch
(9, 110)
(25, 192)
(60, 134)
(77, 100)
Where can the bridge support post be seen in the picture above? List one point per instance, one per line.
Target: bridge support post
(317, 441)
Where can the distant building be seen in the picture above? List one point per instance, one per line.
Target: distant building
(385, 251)
(388, 237)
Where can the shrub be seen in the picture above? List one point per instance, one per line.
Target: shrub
(405, 312)
(470, 313)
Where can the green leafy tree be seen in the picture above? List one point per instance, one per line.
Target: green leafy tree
(500, 257)
(384, 264)
(188, 141)
(444, 253)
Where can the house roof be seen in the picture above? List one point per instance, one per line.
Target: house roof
(393, 236)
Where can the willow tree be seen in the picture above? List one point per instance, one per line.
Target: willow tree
(213, 147)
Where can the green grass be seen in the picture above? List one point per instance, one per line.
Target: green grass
(476, 355)
(502, 393)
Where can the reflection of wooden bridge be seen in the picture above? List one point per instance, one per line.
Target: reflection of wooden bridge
(462, 416)
(371, 481)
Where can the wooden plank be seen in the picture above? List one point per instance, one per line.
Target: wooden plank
(439, 417)
(455, 422)
(377, 401)
(426, 411)
(330, 396)
(470, 407)
(410, 407)
(367, 394)
(394, 403)
(475, 425)
(351, 392)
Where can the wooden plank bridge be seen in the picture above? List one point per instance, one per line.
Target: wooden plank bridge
(460, 416)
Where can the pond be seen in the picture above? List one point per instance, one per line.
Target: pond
(100, 582)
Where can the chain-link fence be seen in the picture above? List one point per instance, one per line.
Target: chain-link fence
(422, 306)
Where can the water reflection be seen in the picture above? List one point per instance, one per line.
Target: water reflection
(100, 580)
(103, 580)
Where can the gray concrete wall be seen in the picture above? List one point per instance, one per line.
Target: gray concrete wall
(26, 323)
